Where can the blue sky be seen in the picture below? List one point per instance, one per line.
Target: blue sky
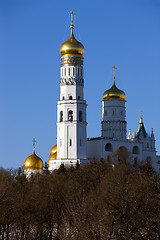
(124, 33)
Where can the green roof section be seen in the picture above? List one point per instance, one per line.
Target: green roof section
(141, 129)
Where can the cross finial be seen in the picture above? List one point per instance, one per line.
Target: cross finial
(72, 13)
(34, 141)
(114, 73)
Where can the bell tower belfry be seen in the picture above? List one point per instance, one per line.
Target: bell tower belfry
(71, 108)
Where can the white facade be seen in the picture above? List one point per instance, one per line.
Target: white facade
(140, 147)
(71, 114)
(72, 142)
(113, 119)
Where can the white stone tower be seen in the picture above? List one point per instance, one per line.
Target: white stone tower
(71, 108)
(113, 113)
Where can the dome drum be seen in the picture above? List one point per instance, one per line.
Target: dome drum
(72, 61)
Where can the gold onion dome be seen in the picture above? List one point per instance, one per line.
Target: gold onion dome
(114, 93)
(53, 153)
(72, 47)
(33, 162)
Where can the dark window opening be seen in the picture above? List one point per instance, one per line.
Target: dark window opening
(70, 97)
(63, 98)
(80, 142)
(147, 145)
(80, 116)
(70, 115)
(78, 71)
(61, 116)
(73, 71)
(69, 71)
(113, 112)
(109, 147)
(135, 150)
(78, 97)
(70, 142)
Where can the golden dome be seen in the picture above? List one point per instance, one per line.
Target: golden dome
(114, 93)
(72, 47)
(53, 153)
(33, 162)
(53, 149)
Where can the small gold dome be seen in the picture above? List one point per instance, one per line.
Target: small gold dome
(53, 149)
(33, 162)
(114, 93)
(72, 47)
(53, 154)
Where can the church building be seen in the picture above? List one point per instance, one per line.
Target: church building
(72, 143)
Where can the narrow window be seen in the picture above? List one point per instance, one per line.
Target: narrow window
(70, 142)
(78, 71)
(63, 98)
(80, 142)
(69, 71)
(70, 115)
(73, 71)
(113, 113)
(81, 72)
(80, 116)
(65, 71)
(61, 116)
(62, 72)
(147, 145)
(70, 97)
(78, 97)
(121, 113)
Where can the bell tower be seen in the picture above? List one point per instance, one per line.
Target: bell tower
(71, 108)
(114, 113)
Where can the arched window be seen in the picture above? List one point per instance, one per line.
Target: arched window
(109, 147)
(70, 97)
(61, 116)
(135, 150)
(70, 115)
(80, 116)
(63, 98)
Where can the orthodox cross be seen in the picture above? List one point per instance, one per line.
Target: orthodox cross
(114, 71)
(34, 141)
(72, 13)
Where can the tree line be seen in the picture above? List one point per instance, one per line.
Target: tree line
(96, 201)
